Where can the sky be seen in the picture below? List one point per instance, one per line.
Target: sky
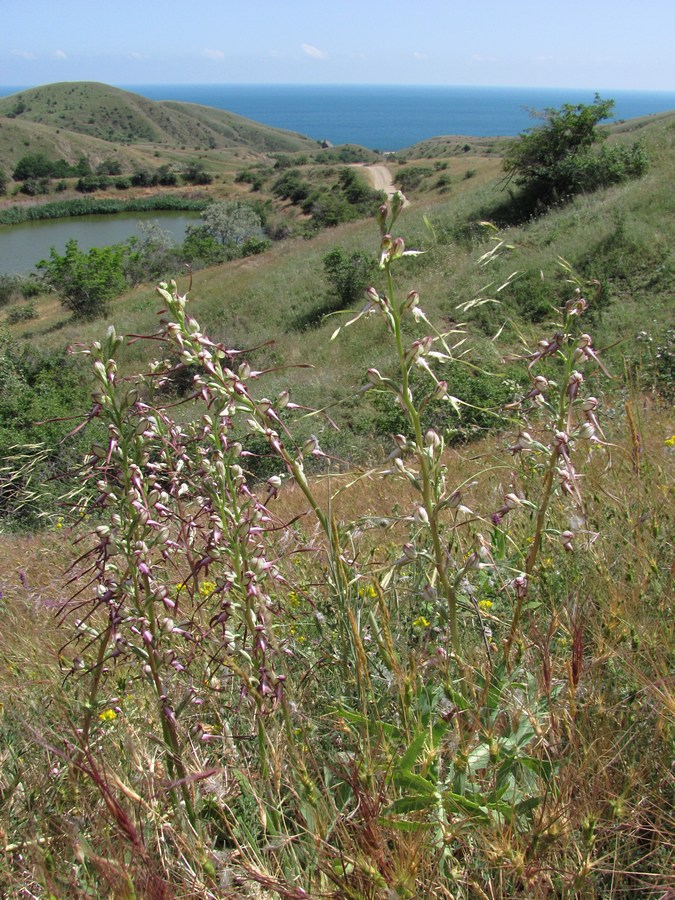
(598, 44)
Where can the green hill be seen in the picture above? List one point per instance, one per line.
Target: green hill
(68, 116)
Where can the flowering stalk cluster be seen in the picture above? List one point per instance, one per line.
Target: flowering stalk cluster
(418, 458)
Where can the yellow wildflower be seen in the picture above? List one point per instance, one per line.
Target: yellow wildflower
(670, 441)
(108, 715)
(206, 588)
(485, 605)
(421, 622)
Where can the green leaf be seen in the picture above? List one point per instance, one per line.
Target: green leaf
(457, 803)
(429, 739)
(412, 804)
(403, 778)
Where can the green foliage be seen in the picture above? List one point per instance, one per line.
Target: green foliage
(284, 161)
(557, 160)
(12, 215)
(532, 296)
(89, 184)
(195, 173)
(3, 183)
(109, 167)
(201, 249)
(231, 222)
(153, 257)
(290, 186)
(348, 274)
(39, 165)
(38, 388)
(346, 154)
(483, 396)
(411, 177)
(23, 313)
(34, 187)
(8, 288)
(254, 177)
(86, 282)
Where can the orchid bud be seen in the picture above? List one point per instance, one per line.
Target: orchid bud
(412, 300)
(397, 203)
(397, 248)
(524, 441)
(421, 515)
(432, 440)
(519, 585)
(511, 501)
(566, 539)
(441, 391)
(454, 499)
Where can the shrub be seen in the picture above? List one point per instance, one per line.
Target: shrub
(348, 274)
(195, 173)
(231, 222)
(9, 287)
(411, 178)
(85, 281)
(557, 160)
(23, 313)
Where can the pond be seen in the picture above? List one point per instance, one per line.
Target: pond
(22, 246)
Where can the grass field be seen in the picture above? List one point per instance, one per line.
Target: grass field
(427, 651)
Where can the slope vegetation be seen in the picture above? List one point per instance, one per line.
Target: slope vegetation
(57, 112)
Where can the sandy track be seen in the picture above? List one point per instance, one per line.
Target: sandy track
(381, 180)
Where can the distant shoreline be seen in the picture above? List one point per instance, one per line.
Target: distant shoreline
(394, 117)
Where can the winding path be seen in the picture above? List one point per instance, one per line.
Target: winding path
(380, 178)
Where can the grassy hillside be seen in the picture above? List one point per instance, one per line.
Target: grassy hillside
(397, 664)
(61, 117)
(620, 237)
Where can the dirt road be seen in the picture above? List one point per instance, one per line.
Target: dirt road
(381, 180)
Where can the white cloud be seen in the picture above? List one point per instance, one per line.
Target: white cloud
(313, 52)
(417, 55)
(23, 54)
(213, 54)
(59, 54)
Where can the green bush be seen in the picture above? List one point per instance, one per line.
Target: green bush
(411, 178)
(49, 389)
(86, 281)
(558, 160)
(484, 397)
(348, 274)
(23, 313)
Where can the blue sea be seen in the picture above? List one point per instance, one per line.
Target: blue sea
(393, 117)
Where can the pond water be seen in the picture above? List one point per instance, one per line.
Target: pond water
(22, 246)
